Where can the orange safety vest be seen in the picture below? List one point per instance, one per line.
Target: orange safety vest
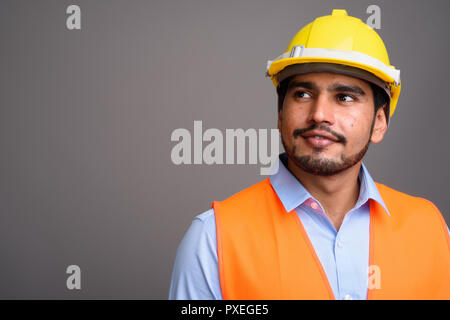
(265, 253)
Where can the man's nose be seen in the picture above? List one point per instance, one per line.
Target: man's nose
(322, 110)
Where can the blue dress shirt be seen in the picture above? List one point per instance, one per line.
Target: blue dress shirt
(344, 254)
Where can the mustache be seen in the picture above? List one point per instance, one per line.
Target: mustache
(298, 132)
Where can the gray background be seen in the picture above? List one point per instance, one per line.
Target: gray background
(86, 119)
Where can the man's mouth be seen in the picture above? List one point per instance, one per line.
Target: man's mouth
(319, 138)
(318, 141)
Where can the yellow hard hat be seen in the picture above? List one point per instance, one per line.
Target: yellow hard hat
(342, 44)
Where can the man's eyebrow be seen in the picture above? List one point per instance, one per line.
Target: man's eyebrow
(302, 84)
(339, 87)
(347, 88)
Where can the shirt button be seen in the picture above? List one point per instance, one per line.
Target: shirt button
(314, 205)
(339, 244)
(348, 297)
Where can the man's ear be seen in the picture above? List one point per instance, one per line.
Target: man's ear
(380, 126)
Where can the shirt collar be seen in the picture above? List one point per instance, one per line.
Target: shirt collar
(292, 193)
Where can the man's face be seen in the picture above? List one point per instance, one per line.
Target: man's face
(327, 122)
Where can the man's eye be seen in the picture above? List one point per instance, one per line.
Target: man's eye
(345, 98)
(302, 94)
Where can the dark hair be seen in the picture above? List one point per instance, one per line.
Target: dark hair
(380, 97)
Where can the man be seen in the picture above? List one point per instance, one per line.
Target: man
(320, 227)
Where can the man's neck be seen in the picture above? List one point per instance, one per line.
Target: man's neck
(337, 193)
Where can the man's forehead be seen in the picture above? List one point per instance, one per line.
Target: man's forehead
(328, 79)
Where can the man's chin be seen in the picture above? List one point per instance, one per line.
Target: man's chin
(320, 166)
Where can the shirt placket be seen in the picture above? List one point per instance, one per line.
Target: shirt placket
(341, 252)
(343, 260)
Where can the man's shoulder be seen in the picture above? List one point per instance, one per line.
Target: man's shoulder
(396, 200)
(245, 204)
(399, 196)
(252, 192)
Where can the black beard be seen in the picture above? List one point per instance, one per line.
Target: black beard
(324, 167)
